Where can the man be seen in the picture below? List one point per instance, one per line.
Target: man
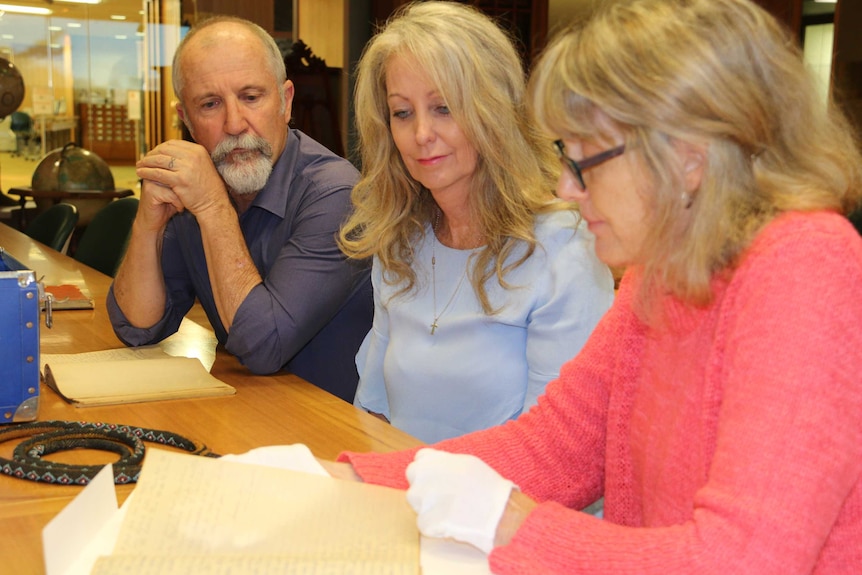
(245, 220)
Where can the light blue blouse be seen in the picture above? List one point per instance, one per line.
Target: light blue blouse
(479, 370)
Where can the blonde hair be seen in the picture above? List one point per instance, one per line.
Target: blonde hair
(720, 73)
(478, 73)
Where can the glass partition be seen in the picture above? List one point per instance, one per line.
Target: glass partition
(82, 66)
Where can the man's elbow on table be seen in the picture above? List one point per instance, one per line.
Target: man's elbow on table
(259, 361)
(258, 367)
(263, 358)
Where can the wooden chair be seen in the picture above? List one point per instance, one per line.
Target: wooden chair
(314, 106)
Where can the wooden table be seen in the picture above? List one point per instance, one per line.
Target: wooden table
(266, 410)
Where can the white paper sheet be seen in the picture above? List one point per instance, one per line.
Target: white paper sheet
(84, 529)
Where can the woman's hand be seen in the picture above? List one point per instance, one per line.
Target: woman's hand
(517, 509)
(339, 470)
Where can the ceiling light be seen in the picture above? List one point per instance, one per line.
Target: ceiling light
(74, 24)
(117, 17)
(121, 37)
(24, 9)
(826, 1)
(80, 1)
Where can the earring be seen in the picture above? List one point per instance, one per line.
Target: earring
(687, 200)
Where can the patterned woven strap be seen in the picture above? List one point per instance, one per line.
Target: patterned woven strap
(46, 437)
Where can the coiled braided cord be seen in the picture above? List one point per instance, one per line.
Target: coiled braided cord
(46, 437)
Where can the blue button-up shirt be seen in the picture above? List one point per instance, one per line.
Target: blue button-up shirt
(314, 306)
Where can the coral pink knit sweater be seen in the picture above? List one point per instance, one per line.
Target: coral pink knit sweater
(725, 439)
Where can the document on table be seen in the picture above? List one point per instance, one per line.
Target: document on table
(79, 534)
(128, 375)
(195, 515)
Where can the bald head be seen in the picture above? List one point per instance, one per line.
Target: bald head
(221, 30)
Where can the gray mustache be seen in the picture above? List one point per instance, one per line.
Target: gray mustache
(247, 142)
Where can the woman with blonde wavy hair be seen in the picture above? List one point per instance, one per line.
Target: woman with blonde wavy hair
(484, 282)
(717, 406)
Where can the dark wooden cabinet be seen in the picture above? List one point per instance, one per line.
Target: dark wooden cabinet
(107, 131)
(526, 19)
(847, 62)
(787, 11)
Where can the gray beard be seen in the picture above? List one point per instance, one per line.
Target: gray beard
(249, 173)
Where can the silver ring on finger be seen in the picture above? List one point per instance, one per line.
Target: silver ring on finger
(171, 163)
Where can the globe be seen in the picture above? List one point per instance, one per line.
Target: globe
(11, 88)
(77, 171)
(72, 169)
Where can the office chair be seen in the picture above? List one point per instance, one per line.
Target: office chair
(22, 125)
(54, 226)
(10, 210)
(8, 201)
(103, 242)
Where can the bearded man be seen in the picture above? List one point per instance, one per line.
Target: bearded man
(244, 220)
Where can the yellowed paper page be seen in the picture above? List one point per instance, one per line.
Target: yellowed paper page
(122, 381)
(235, 565)
(186, 506)
(119, 354)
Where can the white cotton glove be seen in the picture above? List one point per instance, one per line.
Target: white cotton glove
(457, 496)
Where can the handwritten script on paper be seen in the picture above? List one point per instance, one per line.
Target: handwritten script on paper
(119, 354)
(195, 515)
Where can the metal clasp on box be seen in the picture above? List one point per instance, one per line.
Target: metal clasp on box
(46, 299)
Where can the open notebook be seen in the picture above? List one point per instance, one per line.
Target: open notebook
(128, 375)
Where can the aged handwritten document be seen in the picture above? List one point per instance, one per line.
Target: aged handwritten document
(195, 515)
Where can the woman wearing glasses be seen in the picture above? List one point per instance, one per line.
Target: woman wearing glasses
(484, 283)
(718, 405)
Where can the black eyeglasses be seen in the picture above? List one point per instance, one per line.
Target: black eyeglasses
(578, 168)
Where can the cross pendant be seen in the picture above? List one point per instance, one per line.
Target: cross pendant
(433, 327)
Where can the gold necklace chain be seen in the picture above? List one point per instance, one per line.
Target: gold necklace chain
(437, 316)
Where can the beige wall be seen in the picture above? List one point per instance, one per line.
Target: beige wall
(321, 27)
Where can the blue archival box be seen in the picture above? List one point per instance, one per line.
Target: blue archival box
(19, 341)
